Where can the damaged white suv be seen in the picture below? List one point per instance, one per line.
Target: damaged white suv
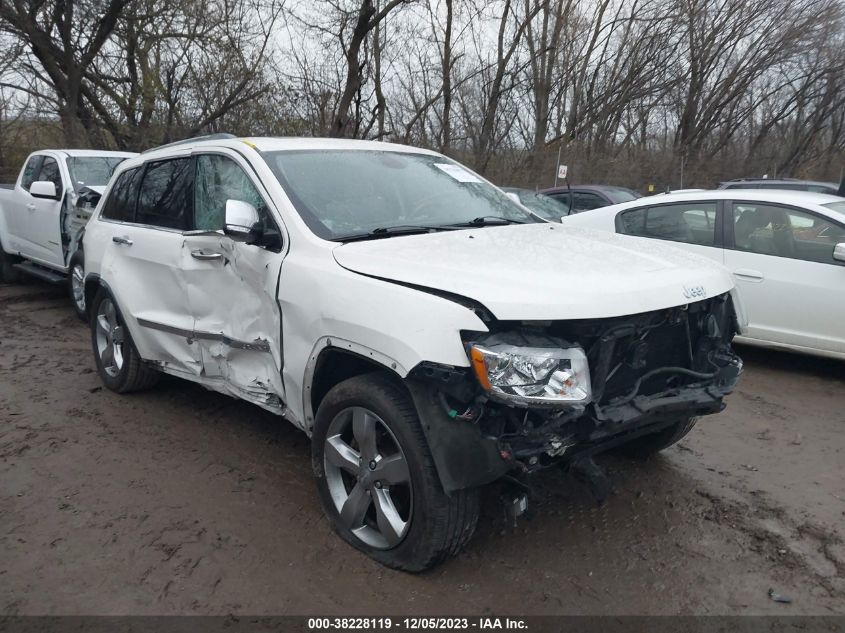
(426, 333)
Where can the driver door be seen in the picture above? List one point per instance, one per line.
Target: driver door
(42, 228)
(232, 286)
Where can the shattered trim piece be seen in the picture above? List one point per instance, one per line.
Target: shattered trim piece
(256, 346)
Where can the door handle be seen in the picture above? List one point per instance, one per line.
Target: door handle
(205, 256)
(749, 275)
(122, 240)
(31, 206)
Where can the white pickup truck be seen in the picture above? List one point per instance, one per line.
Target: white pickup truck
(43, 215)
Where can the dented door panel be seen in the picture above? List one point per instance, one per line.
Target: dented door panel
(231, 291)
(151, 294)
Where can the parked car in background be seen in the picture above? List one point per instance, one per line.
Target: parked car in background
(425, 332)
(43, 215)
(788, 184)
(786, 250)
(587, 197)
(542, 205)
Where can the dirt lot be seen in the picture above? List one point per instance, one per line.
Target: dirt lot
(184, 501)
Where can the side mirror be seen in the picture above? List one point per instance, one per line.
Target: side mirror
(242, 222)
(43, 189)
(513, 196)
(839, 252)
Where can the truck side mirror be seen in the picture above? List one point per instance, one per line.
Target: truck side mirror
(242, 222)
(44, 189)
(839, 252)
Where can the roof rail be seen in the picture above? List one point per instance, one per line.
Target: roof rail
(208, 137)
(762, 178)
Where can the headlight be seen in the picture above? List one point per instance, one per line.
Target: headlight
(533, 374)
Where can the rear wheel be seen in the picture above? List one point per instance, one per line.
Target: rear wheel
(76, 284)
(648, 445)
(118, 362)
(377, 480)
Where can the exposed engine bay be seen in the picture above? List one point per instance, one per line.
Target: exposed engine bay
(646, 372)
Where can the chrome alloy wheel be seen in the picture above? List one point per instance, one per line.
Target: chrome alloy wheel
(368, 478)
(77, 285)
(109, 338)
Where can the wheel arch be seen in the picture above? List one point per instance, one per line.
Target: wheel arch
(93, 283)
(335, 360)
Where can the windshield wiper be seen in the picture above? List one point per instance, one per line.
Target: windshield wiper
(489, 220)
(390, 231)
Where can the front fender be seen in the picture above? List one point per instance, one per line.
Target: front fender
(396, 326)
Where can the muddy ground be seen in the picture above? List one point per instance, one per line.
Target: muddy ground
(183, 501)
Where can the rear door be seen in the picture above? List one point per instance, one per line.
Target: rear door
(792, 288)
(232, 286)
(151, 206)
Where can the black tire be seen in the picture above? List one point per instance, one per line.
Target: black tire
(439, 525)
(132, 374)
(76, 285)
(8, 273)
(648, 445)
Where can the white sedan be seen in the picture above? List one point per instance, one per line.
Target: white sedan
(786, 250)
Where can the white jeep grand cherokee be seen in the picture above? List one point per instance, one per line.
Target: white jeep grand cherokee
(411, 318)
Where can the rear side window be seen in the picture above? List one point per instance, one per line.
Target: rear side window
(693, 223)
(120, 205)
(166, 196)
(33, 166)
(583, 201)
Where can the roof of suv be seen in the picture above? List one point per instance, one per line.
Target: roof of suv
(269, 144)
(775, 181)
(786, 184)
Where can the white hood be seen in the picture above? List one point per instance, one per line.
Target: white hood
(543, 271)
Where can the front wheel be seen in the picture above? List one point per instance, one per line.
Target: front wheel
(76, 284)
(118, 363)
(648, 445)
(377, 480)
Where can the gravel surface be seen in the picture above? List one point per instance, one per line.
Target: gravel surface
(180, 501)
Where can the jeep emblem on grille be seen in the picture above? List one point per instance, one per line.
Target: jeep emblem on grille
(694, 292)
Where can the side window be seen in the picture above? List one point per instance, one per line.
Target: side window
(633, 222)
(33, 166)
(166, 196)
(50, 172)
(120, 205)
(773, 230)
(582, 201)
(218, 179)
(563, 198)
(693, 223)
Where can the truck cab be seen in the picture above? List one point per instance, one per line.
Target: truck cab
(43, 215)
